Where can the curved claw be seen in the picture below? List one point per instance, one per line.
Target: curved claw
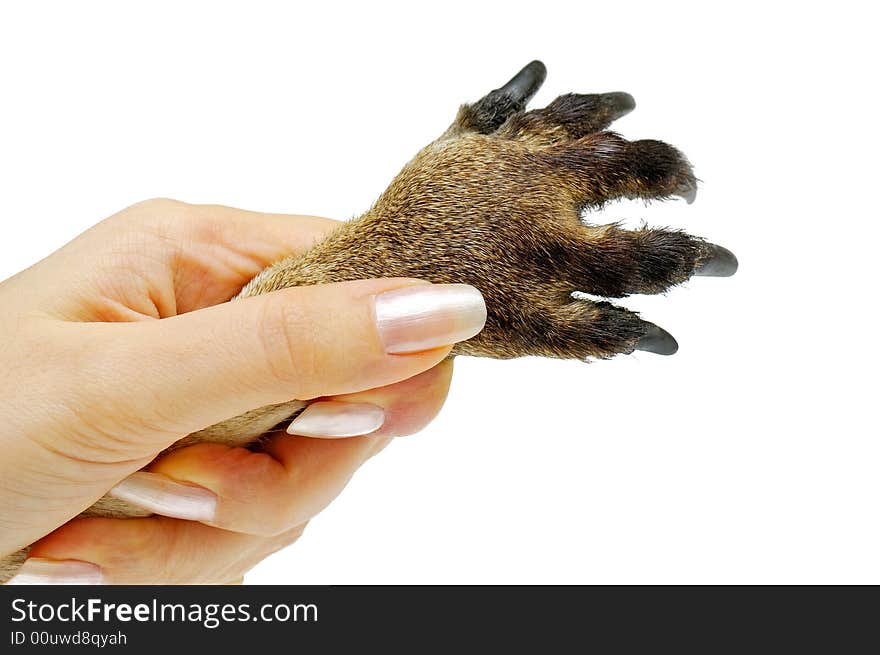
(688, 191)
(657, 340)
(526, 83)
(717, 262)
(619, 103)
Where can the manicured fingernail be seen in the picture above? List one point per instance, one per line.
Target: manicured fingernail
(162, 495)
(38, 570)
(426, 316)
(337, 419)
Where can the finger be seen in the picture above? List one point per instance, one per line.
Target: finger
(403, 408)
(194, 370)
(294, 477)
(154, 550)
(219, 249)
(260, 493)
(202, 255)
(264, 236)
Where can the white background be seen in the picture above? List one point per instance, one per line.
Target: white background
(749, 457)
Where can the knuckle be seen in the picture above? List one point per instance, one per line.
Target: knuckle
(290, 343)
(159, 204)
(286, 520)
(282, 538)
(158, 215)
(290, 535)
(278, 524)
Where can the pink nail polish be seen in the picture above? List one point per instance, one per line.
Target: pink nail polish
(164, 496)
(334, 419)
(422, 317)
(41, 571)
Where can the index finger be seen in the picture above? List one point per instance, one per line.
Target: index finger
(266, 237)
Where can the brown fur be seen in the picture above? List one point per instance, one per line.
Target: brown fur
(495, 202)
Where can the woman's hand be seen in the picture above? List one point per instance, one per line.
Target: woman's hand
(120, 344)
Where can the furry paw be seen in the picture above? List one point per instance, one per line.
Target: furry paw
(496, 201)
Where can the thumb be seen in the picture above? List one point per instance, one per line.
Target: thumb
(184, 373)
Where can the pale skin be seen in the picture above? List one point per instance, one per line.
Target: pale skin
(122, 342)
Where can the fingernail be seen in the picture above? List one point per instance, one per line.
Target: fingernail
(422, 317)
(162, 495)
(38, 570)
(337, 419)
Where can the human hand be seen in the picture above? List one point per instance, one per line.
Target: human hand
(120, 344)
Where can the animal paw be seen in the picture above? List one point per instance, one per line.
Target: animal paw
(496, 202)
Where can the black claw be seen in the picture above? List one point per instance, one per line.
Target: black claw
(620, 103)
(717, 262)
(657, 340)
(526, 83)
